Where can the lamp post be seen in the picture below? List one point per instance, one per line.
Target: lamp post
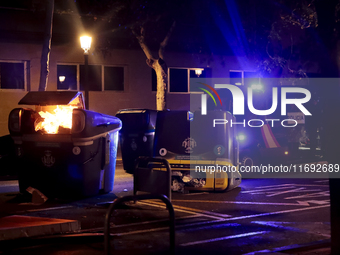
(85, 43)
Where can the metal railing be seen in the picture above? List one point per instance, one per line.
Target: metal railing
(135, 198)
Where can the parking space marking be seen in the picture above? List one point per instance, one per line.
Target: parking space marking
(299, 203)
(271, 191)
(277, 212)
(258, 190)
(271, 194)
(217, 216)
(278, 224)
(311, 185)
(291, 184)
(140, 223)
(224, 238)
(318, 194)
(218, 221)
(318, 202)
(154, 221)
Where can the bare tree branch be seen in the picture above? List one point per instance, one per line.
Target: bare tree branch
(165, 41)
(140, 37)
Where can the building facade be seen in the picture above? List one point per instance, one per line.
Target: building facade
(119, 79)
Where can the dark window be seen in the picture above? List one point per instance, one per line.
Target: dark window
(113, 78)
(236, 78)
(70, 74)
(12, 76)
(250, 78)
(153, 80)
(94, 80)
(178, 80)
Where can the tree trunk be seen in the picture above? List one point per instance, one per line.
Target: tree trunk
(158, 65)
(45, 54)
(162, 84)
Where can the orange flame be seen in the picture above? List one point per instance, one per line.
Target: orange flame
(62, 117)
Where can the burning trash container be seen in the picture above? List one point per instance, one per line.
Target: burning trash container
(64, 150)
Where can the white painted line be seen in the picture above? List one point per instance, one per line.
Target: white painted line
(312, 185)
(267, 189)
(274, 213)
(318, 194)
(224, 238)
(279, 250)
(153, 221)
(277, 224)
(291, 184)
(300, 203)
(274, 186)
(292, 191)
(318, 202)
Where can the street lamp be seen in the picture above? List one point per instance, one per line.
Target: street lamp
(198, 72)
(62, 78)
(85, 43)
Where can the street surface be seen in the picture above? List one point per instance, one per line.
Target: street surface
(260, 215)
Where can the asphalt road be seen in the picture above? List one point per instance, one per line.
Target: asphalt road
(261, 214)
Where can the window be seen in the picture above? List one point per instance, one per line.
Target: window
(99, 78)
(153, 80)
(13, 75)
(114, 78)
(179, 79)
(94, 77)
(67, 77)
(238, 77)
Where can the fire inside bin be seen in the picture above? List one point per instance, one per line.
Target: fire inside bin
(63, 149)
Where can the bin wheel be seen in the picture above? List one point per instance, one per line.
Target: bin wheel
(248, 160)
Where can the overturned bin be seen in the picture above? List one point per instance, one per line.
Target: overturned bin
(64, 150)
(137, 135)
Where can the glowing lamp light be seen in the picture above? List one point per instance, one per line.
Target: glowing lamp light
(241, 137)
(258, 87)
(62, 78)
(286, 152)
(85, 43)
(198, 72)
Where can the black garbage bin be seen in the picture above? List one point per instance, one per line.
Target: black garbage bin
(136, 137)
(66, 162)
(8, 167)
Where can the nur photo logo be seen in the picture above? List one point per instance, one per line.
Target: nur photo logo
(204, 97)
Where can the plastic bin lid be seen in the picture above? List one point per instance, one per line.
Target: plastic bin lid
(44, 98)
(133, 111)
